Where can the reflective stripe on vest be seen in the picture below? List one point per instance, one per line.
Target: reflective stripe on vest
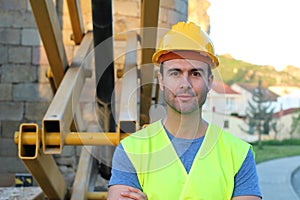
(162, 175)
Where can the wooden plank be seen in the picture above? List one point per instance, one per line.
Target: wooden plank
(61, 111)
(76, 20)
(149, 18)
(47, 22)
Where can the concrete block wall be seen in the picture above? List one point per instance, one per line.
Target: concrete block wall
(25, 92)
(23, 98)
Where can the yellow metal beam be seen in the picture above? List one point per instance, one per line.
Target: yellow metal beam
(85, 174)
(76, 20)
(149, 22)
(74, 138)
(25, 150)
(128, 113)
(97, 195)
(63, 107)
(47, 22)
(42, 167)
(46, 173)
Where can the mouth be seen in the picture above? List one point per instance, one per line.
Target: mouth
(185, 96)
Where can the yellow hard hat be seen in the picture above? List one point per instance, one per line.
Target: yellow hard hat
(186, 37)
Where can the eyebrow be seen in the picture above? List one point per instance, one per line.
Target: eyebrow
(179, 70)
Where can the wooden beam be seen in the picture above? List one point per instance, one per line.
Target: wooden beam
(149, 22)
(47, 22)
(76, 20)
(61, 111)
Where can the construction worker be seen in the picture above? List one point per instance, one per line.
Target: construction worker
(183, 156)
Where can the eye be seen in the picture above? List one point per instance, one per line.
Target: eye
(196, 74)
(174, 73)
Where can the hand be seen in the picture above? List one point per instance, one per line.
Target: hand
(133, 194)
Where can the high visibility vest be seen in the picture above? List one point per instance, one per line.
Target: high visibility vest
(162, 175)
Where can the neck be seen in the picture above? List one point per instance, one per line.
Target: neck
(187, 126)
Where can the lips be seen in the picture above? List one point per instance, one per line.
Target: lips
(184, 96)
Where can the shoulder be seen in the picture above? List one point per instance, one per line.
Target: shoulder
(144, 134)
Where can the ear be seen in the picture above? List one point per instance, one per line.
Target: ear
(160, 81)
(210, 82)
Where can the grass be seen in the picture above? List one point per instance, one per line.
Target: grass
(273, 149)
(270, 152)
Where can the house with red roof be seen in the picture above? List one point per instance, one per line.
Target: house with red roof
(222, 99)
(246, 92)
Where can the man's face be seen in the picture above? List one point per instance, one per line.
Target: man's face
(185, 84)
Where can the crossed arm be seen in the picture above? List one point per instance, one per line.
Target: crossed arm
(123, 192)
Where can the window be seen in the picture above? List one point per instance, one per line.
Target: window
(226, 124)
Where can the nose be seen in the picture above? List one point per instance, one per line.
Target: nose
(185, 82)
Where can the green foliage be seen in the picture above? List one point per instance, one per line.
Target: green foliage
(270, 152)
(232, 71)
(285, 142)
(295, 127)
(259, 114)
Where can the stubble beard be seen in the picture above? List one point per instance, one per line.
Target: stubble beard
(184, 108)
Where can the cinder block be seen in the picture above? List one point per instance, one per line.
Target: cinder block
(3, 54)
(19, 54)
(19, 73)
(13, 5)
(35, 111)
(32, 92)
(5, 92)
(127, 8)
(9, 128)
(10, 36)
(8, 148)
(39, 56)
(12, 165)
(31, 37)
(11, 110)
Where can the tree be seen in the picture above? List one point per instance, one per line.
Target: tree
(259, 113)
(295, 126)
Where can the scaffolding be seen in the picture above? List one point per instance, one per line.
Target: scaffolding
(63, 123)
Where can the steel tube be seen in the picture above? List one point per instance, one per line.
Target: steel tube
(97, 195)
(28, 151)
(63, 107)
(74, 138)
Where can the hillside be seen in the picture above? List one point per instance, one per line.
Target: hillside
(232, 70)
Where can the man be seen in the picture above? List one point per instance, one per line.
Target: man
(182, 156)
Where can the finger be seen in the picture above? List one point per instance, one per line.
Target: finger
(134, 194)
(138, 192)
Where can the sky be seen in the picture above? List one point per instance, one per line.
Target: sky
(263, 32)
